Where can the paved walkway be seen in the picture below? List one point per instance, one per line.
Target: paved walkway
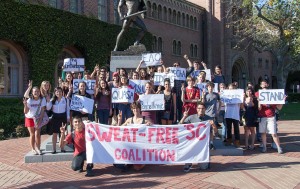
(253, 170)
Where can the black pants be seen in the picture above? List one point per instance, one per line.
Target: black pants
(236, 128)
(78, 161)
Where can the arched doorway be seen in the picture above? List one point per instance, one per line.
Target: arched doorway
(11, 69)
(67, 52)
(239, 73)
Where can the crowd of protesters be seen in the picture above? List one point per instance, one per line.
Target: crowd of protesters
(181, 106)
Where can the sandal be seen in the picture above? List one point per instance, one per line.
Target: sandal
(34, 152)
(39, 152)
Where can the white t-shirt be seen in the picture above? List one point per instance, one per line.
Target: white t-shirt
(232, 111)
(33, 106)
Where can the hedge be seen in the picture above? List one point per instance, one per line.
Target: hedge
(44, 31)
(293, 97)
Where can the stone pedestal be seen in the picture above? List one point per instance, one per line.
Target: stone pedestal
(128, 59)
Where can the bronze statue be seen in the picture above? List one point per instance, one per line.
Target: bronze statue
(134, 9)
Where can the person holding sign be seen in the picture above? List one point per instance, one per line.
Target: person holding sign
(190, 96)
(61, 114)
(103, 100)
(151, 115)
(195, 118)
(169, 115)
(267, 120)
(77, 138)
(137, 119)
(125, 107)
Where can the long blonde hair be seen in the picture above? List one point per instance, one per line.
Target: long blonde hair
(43, 91)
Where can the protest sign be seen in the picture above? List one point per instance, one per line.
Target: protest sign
(160, 77)
(90, 85)
(123, 94)
(271, 96)
(138, 85)
(73, 65)
(81, 103)
(195, 74)
(152, 102)
(151, 59)
(141, 144)
(234, 96)
(180, 73)
(203, 87)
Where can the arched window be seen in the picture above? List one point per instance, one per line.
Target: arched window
(174, 47)
(159, 45)
(154, 11)
(195, 51)
(11, 73)
(165, 14)
(102, 10)
(195, 23)
(178, 18)
(169, 15)
(191, 50)
(183, 19)
(187, 20)
(74, 6)
(159, 12)
(149, 7)
(179, 48)
(191, 22)
(154, 44)
(174, 17)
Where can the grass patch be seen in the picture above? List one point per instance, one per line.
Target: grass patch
(290, 111)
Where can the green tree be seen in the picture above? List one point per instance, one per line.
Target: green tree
(268, 25)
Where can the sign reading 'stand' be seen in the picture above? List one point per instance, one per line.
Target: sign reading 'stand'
(82, 104)
(179, 73)
(90, 85)
(271, 96)
(152, 102)
(160, 77)
(124, 94)
(73, 65)
(151, 59)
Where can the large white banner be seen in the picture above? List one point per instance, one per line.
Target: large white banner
(152, 102)
(90, 85)
(235, 96)
(81, 103)
(180, 73)
(141, 144)
(73, 64)
(195, 74)
(151, 59)
(123, 94)
(271, 96)
(160, 77)
(203, 87)
(138, 85)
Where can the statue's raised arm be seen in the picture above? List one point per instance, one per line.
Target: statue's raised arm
(135, 8)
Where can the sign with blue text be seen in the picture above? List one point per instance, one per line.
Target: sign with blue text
(138, 85)
(73, 65)
(81, 103)
(180, 73)
(271, 96)
(235, 96)
(122, 95)
(195, 74)
(90, 85)
(151, 59)
(160, 77)
(152, 102)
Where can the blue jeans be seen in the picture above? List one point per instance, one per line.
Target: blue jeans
(103, 116)
(126, 111)
(222, 119)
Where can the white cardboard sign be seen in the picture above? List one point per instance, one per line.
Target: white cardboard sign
(138, 85)
(81, 103)
(74, 65)
(90, 85)
(271, 96)
(152, 102)
(203, 87)
(160, 77)
(180, 73)
(151, 59)
(195, 74)
(123, 94)
(235, 96)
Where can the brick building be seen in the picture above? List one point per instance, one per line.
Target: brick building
(193, 27)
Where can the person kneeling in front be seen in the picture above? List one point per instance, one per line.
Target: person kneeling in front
(77, 138)
(198, 117)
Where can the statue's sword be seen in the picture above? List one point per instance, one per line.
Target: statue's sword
(134, 14)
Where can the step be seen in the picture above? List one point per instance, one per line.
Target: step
(49, 147)
(223, 150)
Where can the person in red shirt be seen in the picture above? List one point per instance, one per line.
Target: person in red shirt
(190, 96)
(78, 140)
(267, 122)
